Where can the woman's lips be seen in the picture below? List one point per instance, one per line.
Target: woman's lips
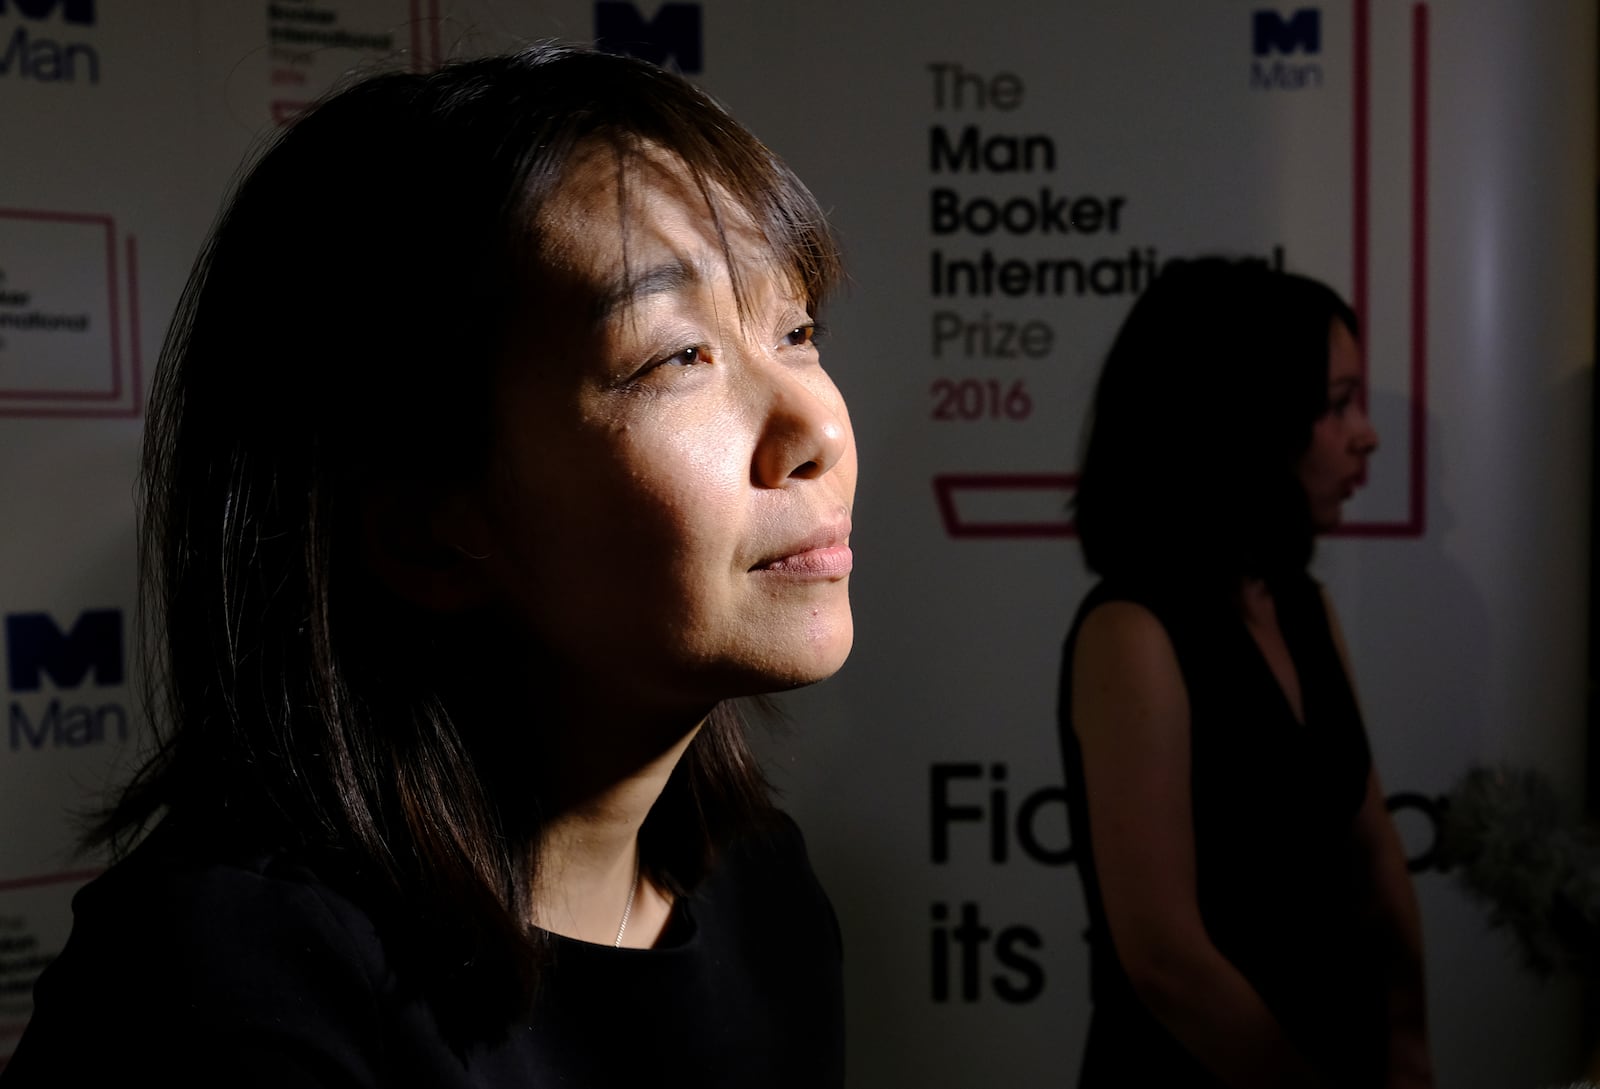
(831, 561)
(822, 554)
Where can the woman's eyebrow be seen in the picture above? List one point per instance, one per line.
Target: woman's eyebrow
(627, 290)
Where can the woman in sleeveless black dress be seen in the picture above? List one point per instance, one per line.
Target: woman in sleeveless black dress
(1252, 923)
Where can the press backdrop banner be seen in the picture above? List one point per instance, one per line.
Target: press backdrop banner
(1006, 178)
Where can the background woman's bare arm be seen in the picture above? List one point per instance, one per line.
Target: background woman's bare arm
(1130, 711)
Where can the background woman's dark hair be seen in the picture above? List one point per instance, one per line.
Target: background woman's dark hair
(339, 334)
(1205, 405)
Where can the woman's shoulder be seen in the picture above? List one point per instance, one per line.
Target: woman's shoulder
(1122, 653)
(774, 838)
(770, 851)
(248, 955)
(1145, 641)
(1124, 612)
(199, 894)
(766, 880)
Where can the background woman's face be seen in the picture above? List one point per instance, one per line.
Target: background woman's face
(1335, 463)
(675, 479)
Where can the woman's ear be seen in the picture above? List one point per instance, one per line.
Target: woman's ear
(427, 547)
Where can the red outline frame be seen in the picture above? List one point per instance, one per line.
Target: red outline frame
(284, 110)
(109, 225)
(12, 1030)
(135, 408)
(420, 60)
(946, 485)
(39, 880)
(1416, 522)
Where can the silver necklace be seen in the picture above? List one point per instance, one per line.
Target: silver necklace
(627, 911)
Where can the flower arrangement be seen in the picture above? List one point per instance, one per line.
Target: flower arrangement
(1513, 846)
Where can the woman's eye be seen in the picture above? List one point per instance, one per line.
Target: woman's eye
(1341, 403)
(685, 357)
(801, 335)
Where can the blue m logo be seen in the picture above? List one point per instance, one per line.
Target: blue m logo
(36, 648)
(1300, 32)
(80, 12)
(672, 38)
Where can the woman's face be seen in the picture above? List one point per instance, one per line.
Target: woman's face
(1335, 463)
(670, 509)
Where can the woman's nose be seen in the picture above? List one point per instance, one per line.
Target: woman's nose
(1366, 435)
(805, 432)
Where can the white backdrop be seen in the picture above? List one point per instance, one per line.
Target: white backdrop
(1005, 177)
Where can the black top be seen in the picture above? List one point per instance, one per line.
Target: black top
(1280, 878)
(256, 972)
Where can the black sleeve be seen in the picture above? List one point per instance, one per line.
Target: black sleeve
(212, 976)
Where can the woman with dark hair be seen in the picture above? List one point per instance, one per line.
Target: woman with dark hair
(1252, 923)
(490, 454)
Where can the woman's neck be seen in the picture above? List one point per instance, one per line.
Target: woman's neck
(589, 867)
(1255, 598)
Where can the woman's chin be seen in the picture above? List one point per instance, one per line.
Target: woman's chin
(1328, 517)
(816, 657)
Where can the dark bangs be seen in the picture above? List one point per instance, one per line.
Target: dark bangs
(595, 98)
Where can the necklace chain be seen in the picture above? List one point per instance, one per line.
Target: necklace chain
(622, 927)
